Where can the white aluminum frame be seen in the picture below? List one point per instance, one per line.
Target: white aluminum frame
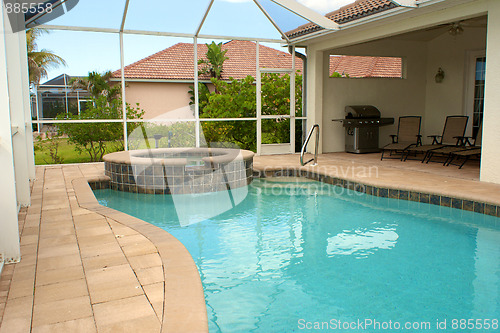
(309, 14)
(65, 87)
(294, 8)
(290, 116)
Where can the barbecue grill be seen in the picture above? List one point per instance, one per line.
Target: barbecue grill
(362, 123)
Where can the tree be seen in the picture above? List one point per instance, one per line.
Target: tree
(94, 138)
(214, 64)
(233, 99)
(236, 99)
(39, 62)
(105, 103)
(337, 74)
(98, 85)
(203, 93)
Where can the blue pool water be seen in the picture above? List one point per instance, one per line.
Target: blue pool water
(310, 255)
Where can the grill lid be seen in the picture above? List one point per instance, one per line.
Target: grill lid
(361, 111)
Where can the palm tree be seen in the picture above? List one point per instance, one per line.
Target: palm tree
(98, 85)
(214, 64)
(40, 61)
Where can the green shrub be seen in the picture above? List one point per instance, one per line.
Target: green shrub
(94, 138)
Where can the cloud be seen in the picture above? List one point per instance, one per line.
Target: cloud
(325, 6)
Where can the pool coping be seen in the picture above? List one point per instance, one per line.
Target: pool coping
(184, 308)
(220, 155)
(383, 192)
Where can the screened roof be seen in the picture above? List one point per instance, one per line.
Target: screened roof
(227, 19)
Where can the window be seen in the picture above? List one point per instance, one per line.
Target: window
(347, 66)
(480, 73)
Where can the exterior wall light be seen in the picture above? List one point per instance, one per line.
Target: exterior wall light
(439, 76)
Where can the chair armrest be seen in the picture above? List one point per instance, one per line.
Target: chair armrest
(463, 140)
(468, 141)
(434, 138)
(394, 138)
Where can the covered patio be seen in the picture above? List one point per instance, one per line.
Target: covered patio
(459, 37)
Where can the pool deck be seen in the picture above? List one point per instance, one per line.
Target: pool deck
(88, 268)
(412, 175)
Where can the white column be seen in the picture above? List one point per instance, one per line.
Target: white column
(490, 158)
(314, 93)
(15, 52)
(9, 235)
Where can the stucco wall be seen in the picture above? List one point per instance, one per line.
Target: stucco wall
(368, 38)
(158, 98)
(416, 94)
(393, 97)
(451, 54)
(490, 158)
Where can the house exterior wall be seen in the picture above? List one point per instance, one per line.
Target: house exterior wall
(406, 20)
(416, 94)
(438, 101)
(490, 158)
(447, 98)
(314, 101)
(160, 99)
(11, 152)
(393, 97)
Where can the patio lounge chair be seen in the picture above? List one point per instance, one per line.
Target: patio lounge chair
(466, 154)
(465, 145)
(453, 130)
(408, 135)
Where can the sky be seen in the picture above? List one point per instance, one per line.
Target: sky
(88, 51)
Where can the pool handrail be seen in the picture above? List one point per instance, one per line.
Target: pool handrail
(304, 146)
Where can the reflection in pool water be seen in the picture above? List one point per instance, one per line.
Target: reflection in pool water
(362, 242)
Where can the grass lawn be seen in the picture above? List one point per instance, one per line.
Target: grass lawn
(66, 151)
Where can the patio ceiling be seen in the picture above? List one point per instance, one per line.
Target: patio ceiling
(427, 34)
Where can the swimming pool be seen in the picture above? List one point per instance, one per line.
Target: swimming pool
(298, 255)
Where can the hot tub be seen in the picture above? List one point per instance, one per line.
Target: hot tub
(179, 170)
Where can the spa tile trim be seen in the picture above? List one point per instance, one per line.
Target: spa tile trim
(169, 174)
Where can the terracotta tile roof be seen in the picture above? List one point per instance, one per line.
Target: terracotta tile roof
(176, 62)
(351, 12)
(357, 67)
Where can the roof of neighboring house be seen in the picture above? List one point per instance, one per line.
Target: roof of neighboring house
(362, 66)
(351, 12)
(59, 80)
(176, 62)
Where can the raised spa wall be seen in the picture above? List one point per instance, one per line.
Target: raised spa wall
(168, 170)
